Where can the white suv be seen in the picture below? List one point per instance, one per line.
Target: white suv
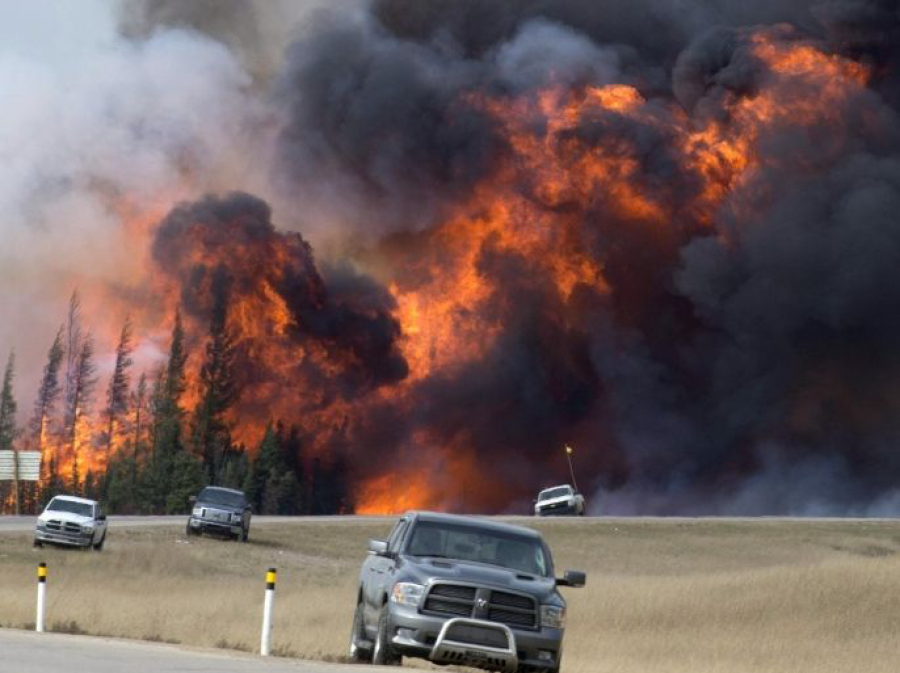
(72, 521)
(559, 500)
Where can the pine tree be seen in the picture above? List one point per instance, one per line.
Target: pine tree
(48, 393)
(8, 417)
(268, 461)
(79, 405)
(211, 432)
(8, 406)
(173, 474)
(139, 403)
(117, 394)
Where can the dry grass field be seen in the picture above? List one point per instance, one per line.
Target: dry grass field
(667, 596)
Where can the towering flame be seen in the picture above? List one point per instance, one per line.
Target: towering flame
(672, 254)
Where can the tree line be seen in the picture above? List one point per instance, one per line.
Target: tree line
(145, 451)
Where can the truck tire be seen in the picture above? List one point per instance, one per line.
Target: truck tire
(38, 543)
(360, 645)
(188, 530)
(99, 545)
(383, 653)
(245, 535)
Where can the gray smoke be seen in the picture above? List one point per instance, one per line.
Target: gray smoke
(747, 365)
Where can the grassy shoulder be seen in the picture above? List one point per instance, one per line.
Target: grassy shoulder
(662, 595)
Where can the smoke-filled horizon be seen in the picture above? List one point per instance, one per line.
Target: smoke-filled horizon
(459, 235)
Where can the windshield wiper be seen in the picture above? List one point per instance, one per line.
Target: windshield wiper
(431, 556)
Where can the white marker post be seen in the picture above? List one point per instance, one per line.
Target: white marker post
(41, 597)
(266, 643)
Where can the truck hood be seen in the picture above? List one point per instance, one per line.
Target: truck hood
(65, 516)
(221, 508)
(424, 570)
(566, 499)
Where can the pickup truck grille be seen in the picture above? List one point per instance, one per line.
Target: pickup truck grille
(217, 515)
(457, 600)
(63, 527)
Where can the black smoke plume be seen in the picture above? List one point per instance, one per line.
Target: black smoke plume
(747, 365)
(339, 335)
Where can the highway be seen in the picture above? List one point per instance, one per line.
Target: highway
(29, 652)
(19, 524)
(14, 524)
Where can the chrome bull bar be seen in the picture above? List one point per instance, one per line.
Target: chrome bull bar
(477, 643)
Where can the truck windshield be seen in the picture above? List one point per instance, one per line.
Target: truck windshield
(60, 505)
(551, 493)
(217, 496)
(470, 543)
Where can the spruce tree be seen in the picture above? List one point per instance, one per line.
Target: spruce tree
(8, 406)
(211, 432)
(78, 404)
(8, 418)
(44, 406)
(117, 394)
(139, 402)
(268, 461)
(173, 474)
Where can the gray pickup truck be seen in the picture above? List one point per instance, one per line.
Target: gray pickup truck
(224, 511)
(461, 590)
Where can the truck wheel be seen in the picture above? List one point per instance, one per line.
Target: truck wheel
(188, 530)
(245, 535)
(383, 654)
(99, 545)
(38, 543)
(360, 646)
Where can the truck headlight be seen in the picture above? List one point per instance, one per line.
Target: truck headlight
(407, 593)
(87, 528)
(198, 512)
(235, 518)
(553, 617)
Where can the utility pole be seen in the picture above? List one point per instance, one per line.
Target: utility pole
(571, 469)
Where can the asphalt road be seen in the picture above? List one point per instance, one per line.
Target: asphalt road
(12, 524)
(29, 652)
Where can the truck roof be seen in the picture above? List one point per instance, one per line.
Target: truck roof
(222, 488)
(550, 488)
(74, 498)
(482, 522)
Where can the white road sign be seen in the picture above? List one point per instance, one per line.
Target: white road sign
(29, 465)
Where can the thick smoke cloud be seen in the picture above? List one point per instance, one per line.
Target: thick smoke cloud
(737, 358)
(746, 368)
(227, 248)
(94, 148)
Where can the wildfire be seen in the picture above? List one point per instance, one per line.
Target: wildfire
(333, 353)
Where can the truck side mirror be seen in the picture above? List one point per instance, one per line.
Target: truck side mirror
(192, 499)
(102, 517)
(572, 578)
(378, 547)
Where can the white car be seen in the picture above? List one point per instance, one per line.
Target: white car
(72, 521)
(558, 501)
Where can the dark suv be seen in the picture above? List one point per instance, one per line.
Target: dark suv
(220, 510)
(461, 590)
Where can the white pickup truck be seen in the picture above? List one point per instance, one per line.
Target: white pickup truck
(559, 501)
(72, 521)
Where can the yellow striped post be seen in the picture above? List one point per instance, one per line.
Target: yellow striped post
(265, 644)
(41, 597)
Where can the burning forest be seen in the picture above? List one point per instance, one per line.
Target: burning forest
(406, 257)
